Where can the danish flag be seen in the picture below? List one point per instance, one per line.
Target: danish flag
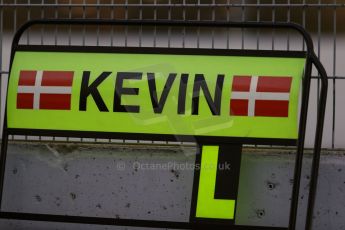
(44, 90)
(266, 96)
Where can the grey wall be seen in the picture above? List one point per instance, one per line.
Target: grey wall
(105, 180)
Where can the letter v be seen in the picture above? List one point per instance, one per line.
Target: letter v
(158, 105)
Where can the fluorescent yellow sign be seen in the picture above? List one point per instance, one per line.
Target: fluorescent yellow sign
(218, 96)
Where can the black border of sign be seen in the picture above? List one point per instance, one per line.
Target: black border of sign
(163, 50)
(311, 60)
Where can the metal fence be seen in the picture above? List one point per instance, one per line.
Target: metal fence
(323, 19)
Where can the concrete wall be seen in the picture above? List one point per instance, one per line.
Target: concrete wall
(105, 180)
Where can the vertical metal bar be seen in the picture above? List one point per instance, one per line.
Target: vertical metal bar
(258, 18)
(213, 19)
(42, 26)
(334, 69)
(15, 17)
(169, 29)
(126, 27)
(97, 28)
(112, 27)
(155, 28)
(318, 47)
(69, 27)
(303, 21)
(184, 28)
(288, 20)
(228, 19)
(301, 137)
(1, 78)
(273, 20)
(140, 18)
(198, 18)
(242, 18)
(317, 143)
(28, 18)
(84, 27)
(300, 147)
(56, 28)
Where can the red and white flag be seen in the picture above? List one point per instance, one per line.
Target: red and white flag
(265, 96)
(45, 90)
